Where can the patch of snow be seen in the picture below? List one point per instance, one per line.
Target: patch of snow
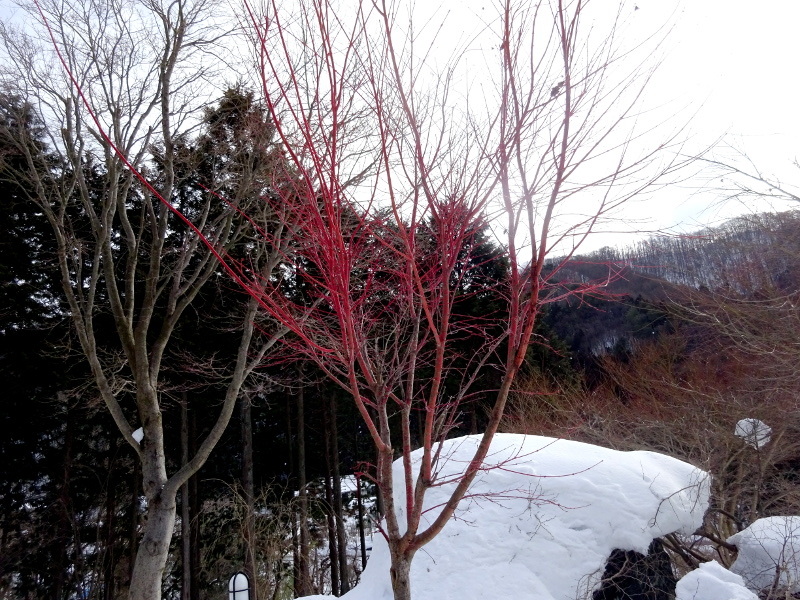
(540, 520)
(770, 547)
(754, 432)
(712, 581)
(138, 435)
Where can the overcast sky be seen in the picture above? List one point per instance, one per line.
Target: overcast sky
(736, 63)
(733, 65)
(730, 70)
(739, 58)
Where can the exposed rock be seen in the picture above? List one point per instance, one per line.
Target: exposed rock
(631, 575)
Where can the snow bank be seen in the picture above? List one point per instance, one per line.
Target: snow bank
(712, 581)
(541, 520)
(767, 548)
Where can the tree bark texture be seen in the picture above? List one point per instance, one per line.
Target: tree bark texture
(186, 542)
(400, 573)
(153, 549)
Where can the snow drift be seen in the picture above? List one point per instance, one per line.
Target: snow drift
(769, 553)
(541, 519)
(712, 581)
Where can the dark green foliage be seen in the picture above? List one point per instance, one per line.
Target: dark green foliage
(27, 279)
(59, 458)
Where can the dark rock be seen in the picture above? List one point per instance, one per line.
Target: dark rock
(631, 575)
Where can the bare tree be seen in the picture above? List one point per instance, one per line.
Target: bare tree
(737, 177)
(388, 285)
(119, 88)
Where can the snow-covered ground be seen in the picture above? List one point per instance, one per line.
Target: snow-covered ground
(542, 519)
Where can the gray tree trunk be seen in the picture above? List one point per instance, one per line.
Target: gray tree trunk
(303, 585)
(400, 572)
(341, 537)
(248, 490)
(186, 535)
(333, 541)
(153, 549)
(361, 536)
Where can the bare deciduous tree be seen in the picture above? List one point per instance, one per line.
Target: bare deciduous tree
(389, 285)
(127, 100)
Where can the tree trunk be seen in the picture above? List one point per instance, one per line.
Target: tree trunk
(186, 543)
(152, 555)
(330, 513)
(194, 534)
(64, 536)
(248, 489)
(295, 533)
(400, 572)
(360, 500)
(194, 513)
(333, 543)
(110, 551)
(302, 584)
(361, 536)
(337, 498)
(133, 544)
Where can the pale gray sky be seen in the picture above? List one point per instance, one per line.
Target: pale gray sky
(731, 65)
(736, 63)
(729, 70)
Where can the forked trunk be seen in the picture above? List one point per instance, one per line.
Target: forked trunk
(148, 570)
